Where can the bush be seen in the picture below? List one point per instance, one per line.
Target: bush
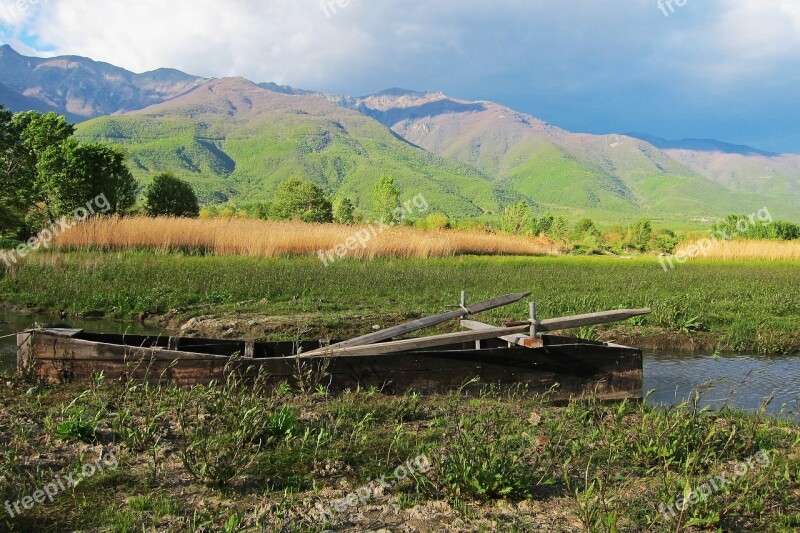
(434, 221)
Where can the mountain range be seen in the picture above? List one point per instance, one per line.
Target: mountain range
(234, 139)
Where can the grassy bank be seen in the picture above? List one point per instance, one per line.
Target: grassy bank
(729, 305)
(226, 458)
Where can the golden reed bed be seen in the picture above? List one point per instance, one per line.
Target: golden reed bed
(258, 238)
(748, 249)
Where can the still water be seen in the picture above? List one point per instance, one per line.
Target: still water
(737, 380)
(11, 323)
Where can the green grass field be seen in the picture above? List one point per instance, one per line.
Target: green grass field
(230, 458)
(737, 306)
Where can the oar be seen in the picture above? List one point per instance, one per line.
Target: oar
(422, 323)
(407, 345)
(591, 319)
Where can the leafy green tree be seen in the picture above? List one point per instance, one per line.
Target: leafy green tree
(641, 234)
(558, 229)
(386, 198)
(297, 199)
(543, 225)
(46, 173)
(585, 225)
(12, 202)
(72, 174)
(169, 196)
(516, 218)
(343, 211)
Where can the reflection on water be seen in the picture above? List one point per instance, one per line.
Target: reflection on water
(736, 380)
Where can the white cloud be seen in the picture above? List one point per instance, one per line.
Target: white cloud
(619, 63)
(757, 31)
(314, 42)
(17, 12)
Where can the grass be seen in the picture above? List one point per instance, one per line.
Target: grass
(749, 250)
(753, 306)
(257, 238)
(282, 455)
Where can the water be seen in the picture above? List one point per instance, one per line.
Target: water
(737, 380)
(11, 323)
(741, 381)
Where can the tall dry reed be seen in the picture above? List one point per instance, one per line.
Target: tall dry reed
(258, 238)
(751, 249)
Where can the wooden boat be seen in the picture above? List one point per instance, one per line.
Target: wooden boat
(577, 366)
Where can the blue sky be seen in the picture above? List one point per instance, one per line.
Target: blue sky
(723, 69)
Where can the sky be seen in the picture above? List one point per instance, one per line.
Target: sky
(721, 69)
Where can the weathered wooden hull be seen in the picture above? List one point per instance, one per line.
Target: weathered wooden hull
(578, 367)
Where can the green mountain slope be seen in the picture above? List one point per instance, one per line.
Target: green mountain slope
(232, 138)
(610, 177)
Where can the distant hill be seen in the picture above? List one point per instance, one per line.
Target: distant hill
(82, 88)
(11, 99)
(609, 176)
(740, 168)
(232, 138)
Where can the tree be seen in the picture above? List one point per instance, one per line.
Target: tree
(386, 198)
(46, 173)
(72, 174)
(585, 225)
(516, 218)
(641, 233)
(542, 226)
(558, 229)
(11, 192)
(169, 196)
(297, 199)
(343, 211)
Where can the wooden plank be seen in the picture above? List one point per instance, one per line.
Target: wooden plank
(407, 345)
(579, 321)
(249, 350)
(422, 323)
(517, 340)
